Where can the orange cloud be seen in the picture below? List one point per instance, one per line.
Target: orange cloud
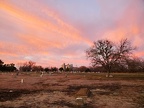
(128, 25)
(35, 35)
(139, 54)
(12, 48)
(36, 23)
(74, 33)
(135, 29)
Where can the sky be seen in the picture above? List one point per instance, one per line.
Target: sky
(53, 32)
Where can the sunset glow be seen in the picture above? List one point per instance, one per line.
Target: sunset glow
(53, 32)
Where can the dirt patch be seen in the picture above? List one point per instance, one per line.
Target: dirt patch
(7, 94)
(109, 88)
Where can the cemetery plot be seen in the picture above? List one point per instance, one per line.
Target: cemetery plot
(73, 91)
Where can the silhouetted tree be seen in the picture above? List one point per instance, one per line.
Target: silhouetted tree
(134, 65)
(106, 53)
(88, 70)
(142, 66)
(82, 68)
(37, 68)
(61, 69)
(1, 65)
(7, 67)
(47, 69)
(27, 66)
(1, 62)
(54, 69)
(12, 67)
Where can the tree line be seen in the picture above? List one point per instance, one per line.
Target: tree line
(7, 67)
(105, 56)
(132, 65)
(31, 66)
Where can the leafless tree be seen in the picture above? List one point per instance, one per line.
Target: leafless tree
(27, 66)
(106, 53)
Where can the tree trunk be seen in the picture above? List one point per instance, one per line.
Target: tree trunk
(109, 71)
(108, 74)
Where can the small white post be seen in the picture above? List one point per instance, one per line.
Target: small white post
(22, 80)
(41, 75)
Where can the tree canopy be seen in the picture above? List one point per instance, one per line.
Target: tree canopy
(7, 67)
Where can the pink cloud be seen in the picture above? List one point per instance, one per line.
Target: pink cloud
(139, 54)
(129, 24)
(35, 35)
(33, 22)
(32, 29)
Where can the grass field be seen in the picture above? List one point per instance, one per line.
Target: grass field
(57, 90)
(116, 76)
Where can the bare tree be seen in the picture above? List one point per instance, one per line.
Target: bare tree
(106, 53)
(27, 66)
(1, 62)
(1, 65)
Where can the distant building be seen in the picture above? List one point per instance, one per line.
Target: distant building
(68, 66)
(64, 66)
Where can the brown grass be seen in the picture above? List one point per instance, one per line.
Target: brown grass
(58, 91)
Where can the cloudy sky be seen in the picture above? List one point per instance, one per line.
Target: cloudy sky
(52, 32)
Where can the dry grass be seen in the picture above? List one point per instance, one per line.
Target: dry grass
(58, 91)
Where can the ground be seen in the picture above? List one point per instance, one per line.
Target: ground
(58, 90)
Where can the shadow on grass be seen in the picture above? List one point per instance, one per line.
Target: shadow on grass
(7, 95)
